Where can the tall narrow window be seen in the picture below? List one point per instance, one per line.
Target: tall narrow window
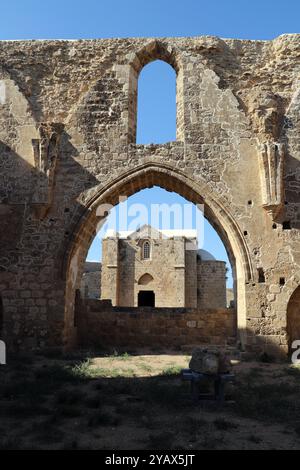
(156, 105)
(146, 250)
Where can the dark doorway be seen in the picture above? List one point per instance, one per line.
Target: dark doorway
(146, 298)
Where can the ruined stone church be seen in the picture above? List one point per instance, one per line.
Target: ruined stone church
(161, 268)
(68, 120)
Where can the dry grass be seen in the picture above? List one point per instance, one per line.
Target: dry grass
(139, 402)
(145, 365)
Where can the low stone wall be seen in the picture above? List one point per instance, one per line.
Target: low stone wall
(101, 325)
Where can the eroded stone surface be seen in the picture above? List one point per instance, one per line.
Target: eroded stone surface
(237, 150)
(101, 325)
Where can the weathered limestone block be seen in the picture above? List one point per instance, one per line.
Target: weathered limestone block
(266, 111)
(209, 361)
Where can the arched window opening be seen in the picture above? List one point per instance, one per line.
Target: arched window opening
(146, 250)
(156, 104)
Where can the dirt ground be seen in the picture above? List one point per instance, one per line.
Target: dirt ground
(132, 402)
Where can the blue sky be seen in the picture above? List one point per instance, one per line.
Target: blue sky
(148, 197)
(73, 19)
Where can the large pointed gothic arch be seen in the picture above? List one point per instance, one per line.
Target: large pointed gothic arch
(146, 176)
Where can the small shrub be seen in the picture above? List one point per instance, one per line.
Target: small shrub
(125, 356)
(82, 370)
(172, 370)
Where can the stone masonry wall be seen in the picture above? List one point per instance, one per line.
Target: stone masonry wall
(91, 281)
(211, 291)
(103, 326)
(191, 278)
(67, 146)
(110, 270)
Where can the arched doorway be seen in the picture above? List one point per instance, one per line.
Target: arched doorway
(293, 317)
(146, 176)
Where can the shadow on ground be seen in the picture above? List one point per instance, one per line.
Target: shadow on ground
(126, 402)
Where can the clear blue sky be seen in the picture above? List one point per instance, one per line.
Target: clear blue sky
(155, 195)
(256, 19)
(73, 19)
